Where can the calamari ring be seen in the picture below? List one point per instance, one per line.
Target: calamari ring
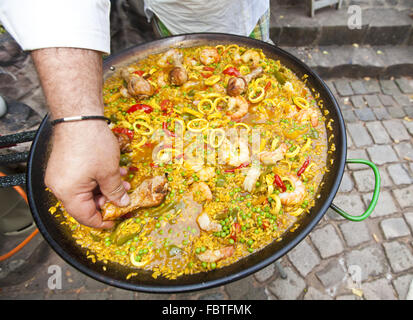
(203, 103)
(212, 80)
(244, 70)
(301, 102)
(253, 97)
(191, 127)
(142, 123)
(242, 124)
(212, 135)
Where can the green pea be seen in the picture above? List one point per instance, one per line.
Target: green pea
(138, 258)
(250, 242)
(157, 225)
(203, 249)
(231, 241)
(204, 265)
(213, 265)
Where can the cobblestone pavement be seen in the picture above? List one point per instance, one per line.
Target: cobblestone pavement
(339, 259)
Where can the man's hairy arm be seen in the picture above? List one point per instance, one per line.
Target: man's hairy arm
(83, 168)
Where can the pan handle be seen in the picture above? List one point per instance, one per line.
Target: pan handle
(376, 192)
(9, 141)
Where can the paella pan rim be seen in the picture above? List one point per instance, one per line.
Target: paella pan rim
(38, 151)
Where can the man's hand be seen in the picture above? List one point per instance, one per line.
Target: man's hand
(83, 169)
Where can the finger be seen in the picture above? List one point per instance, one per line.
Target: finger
(123, 171)
(83, 209)
(100, 199)
(126, 185)
(113, 189)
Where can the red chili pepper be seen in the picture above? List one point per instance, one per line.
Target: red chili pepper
(206, 75)
(133, 169)
(280, 183)
(303, 167)
(243, 165)
(166, 130)
(165, 105)
(121, 130)
(139, 72)
(265, 224)
(267, 86)
(236, 228)
(139, 106)
(153, 165)
(231, 71)
(209, 69)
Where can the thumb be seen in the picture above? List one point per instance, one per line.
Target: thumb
(113, 189)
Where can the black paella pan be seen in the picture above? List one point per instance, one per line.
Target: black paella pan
(61, 241)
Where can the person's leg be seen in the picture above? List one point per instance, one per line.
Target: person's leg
(262, 28)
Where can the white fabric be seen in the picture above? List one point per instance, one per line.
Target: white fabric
(227, 16)
(36, 24)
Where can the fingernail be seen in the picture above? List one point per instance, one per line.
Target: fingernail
(124, 201)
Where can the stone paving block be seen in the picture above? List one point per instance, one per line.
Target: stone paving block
(389, 87)
(356, 154)
(350, 142)
(331, 214)
(408, 110)
(396, 112)
(404, 196)
(386, 100)
(385, 204)
(379, 289)
(364, 180)
(409, 126)
(358, 87)
(347, 297)
(349, 116)
(373, 101)
(394, 228)
(355, 233)
(241, 288)
(346, 184)
(396, 130)
(264, 274)
(381, 154)
(381, 113)
(399, 174)
(358, 102)
(371, 260)
(359, 134)
(372, 86)
(402, 100)
(314, 294)
(119, 294)
(332, 274)
(399, 256)
(351, 203)
(327, 241)
(404, 85)
(404, 150)
(365, 114)
(409, 218)
(304, 258)
(343, 87)
(402, 284)
(289, 288)
(378, 132)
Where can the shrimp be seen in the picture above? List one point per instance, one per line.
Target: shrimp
(173, 57)
(252, 176)
(206, 224)
(150, 193)
(209, 55)
(230, 155)
(240, 104)
(272, 157)
(137, 85)
(303, 115)
(170, 57)
(201, 191)
(251, 56)
(238, 85)
(206, 173)
(215, 255)
(294, 197)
